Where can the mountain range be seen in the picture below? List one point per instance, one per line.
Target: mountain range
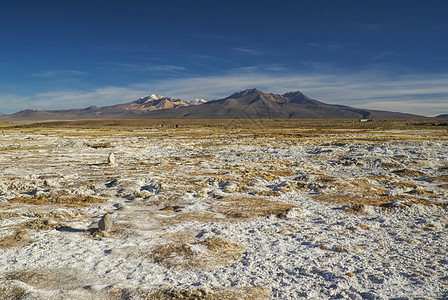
(247, 104)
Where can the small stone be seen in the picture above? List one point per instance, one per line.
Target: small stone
(340, 249)
(111, 159)
(363, 226)
(323, 246)
(105, 223)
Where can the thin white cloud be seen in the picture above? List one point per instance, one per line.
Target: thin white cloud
(383, 55)
(330, 47)
(248, 51)
(440, 26)
(426, 95)
(419, 94)
(57, 73)
(373, 26)
(108, 95)
(145, 67)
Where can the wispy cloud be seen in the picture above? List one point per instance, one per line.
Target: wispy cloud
(425, 94)
(419, 94)
(58, 73)
(383, 55)
(214, 37)
(145, 67)
(248, 51)
(107, 95)
(440, 26)
(331, 47)
(373, 26)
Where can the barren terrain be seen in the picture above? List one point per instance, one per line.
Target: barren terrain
(229, 209)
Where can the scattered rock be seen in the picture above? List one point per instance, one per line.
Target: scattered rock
(399, 203)
(176, 208)
(111, 159)
(355, 208)
(294, 213)
(105, 223)
(112, 183)
(363, 226)
(340, 249)
(119, 206)
(324, 246)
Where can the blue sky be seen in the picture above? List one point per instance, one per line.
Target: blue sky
(390, 55)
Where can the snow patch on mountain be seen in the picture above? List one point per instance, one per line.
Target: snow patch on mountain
(198, 101)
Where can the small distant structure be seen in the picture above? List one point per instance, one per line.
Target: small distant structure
(365, 120)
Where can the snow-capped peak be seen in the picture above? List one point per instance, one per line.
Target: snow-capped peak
(155, 97)
(198, 101)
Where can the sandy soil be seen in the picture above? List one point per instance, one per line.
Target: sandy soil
(223, 213)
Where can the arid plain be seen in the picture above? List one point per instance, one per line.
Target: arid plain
(224, 209)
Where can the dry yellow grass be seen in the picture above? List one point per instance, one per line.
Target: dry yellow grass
(357, 202)
(17, 239)
(392, 165)
(41, 224)
(237, 208)
(215, 252)
(217, 293)
(47, 279)
(70, 201)
(287, 129)
(408, 173)
(441, 178)
(351, 199)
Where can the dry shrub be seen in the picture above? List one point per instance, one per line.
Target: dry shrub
(47, 279)
(401, 184)
(41, 224)
(8, 215)
(12, 292)
(61, 199)
(412, 201)
(441, 178)
(408, 173)
(99, 145)
(392, 165)
(355, 208)
(242, 208)
(210, 253)
(268, 193)
(218, 293)
(235, 209)
(363, 226)
(352, 200)
(283, 172)
(356, 203)
(366, 188)
(173, 294)
(17, 239)
(418, 191)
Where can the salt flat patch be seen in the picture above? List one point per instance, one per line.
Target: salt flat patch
(199, 215)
